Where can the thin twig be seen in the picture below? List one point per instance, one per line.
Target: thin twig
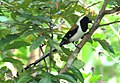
(94, 4)
(44, 59)
(112, 28)
(51, 30)
(109, 23)
(114, 10)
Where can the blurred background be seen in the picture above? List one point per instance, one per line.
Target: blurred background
(30, 28)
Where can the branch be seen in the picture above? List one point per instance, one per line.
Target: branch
(86, 38)
(116, 9)
(109, 23)
(94, 4)
(101, 14)
(40, 47)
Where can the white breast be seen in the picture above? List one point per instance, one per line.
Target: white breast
(78, 35)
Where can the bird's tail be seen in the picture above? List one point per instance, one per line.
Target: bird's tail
(37, 61)
(63, 42)
(43, 57)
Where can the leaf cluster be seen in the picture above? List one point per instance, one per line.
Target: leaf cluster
(26, 25)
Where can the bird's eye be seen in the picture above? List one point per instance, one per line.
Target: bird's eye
(69, 34)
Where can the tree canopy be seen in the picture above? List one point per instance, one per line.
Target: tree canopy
(31, 28)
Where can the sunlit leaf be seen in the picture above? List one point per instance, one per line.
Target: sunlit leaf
(3, 18)
(105, 45)
(86, 52)
(78, 64)
(3, 28)
(94, 78)
(22, 53)
(32, 17)
(80, 8)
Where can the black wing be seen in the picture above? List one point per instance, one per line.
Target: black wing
(68, 35)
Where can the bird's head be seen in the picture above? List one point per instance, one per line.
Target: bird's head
(85, 19)
(84, 23)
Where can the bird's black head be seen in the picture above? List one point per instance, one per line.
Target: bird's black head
(85, 19)
(84, 23)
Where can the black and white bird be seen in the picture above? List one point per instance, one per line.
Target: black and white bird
(75, 33)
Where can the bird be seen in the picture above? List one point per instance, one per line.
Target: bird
(76, 32)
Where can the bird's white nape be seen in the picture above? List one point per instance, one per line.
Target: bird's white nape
(78, 22)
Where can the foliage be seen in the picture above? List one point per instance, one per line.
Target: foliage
(29, 24)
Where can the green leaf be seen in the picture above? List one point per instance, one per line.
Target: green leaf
(28, 32)
(105, 45)
(73, 17)
(77, 73)
(18, 64)
(53, 78)
(118, 2)
(114, 2)
(37, 42)
(67, 51)
(54, 44)
(3, 18)
(66, 77)
(86, 52)
(94, 78)
(24, 79)
(13, 15)
(71, 74)
(80, 8)
(45, 80)
(8, 39)
(43, 31)
(26, 3)
(9, 59)
(23, 54)
(3, 27)
(16, 45)
(78, 64)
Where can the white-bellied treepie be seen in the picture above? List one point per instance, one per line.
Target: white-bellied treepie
(76, 32)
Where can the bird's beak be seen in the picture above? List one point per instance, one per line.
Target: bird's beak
(90, 21)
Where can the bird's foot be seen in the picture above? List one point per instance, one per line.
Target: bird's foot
(77, 46)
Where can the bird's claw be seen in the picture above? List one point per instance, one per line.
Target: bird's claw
(77, 46)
